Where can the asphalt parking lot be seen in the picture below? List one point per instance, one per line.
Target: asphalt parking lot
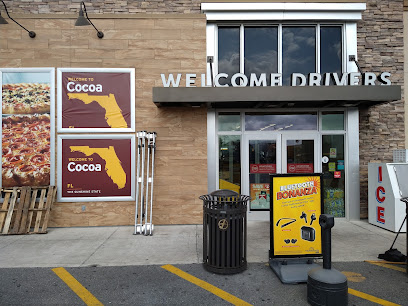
(190, 284)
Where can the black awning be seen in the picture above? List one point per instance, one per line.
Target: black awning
(276, 97)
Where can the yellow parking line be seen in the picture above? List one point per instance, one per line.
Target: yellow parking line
(381, 264)
(75, 286)
(371, 298)
(206, 286)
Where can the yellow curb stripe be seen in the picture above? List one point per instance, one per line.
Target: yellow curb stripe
(75, 286)
(206, 286)
(388, 262)
(371, 298)
(384, 265)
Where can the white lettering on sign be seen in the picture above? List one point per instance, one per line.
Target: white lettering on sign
(296, 79)
(71, 87)
(72, 167)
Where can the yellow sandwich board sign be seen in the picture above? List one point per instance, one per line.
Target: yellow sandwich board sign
(296, 205)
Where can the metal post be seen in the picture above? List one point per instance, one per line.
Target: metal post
(148, 180)
(139, 226)
(152, 146)
(137, 182)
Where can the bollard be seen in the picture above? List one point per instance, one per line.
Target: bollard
(326, 286)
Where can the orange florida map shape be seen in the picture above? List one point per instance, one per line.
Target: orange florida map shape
(113, 114)
(113, 165)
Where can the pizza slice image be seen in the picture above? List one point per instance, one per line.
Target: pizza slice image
(26, 150)
(26, 98)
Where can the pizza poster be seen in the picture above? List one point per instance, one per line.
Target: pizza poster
(27, 101)
(92, 100)
(96, 168)
(296, 205)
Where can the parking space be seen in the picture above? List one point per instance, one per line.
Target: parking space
(157, 285)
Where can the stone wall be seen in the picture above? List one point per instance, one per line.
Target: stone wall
(381, 48)
(105, 6)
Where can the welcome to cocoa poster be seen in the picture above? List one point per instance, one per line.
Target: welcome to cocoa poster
(96, 167)
(96, 100)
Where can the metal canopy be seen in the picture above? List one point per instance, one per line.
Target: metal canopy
(275, 97)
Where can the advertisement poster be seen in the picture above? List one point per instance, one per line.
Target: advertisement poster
(262, 168)
(300, 168)
(27, 100)
(96, 168)
(260, 196)
(296, 208)
(96, 100)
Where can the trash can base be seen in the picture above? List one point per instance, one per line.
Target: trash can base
(224, 270)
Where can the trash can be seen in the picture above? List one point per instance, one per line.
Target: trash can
(224, 231)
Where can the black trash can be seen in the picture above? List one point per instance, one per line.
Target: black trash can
(224, 231)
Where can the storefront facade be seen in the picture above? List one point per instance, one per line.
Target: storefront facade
(256, 120)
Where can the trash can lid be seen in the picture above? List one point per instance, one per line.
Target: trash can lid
(224, 193)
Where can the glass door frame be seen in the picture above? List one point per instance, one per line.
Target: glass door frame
(352, 157)
(317, 165)
(257, 215)
(281, 159)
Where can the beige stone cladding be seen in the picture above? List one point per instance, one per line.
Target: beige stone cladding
(380, 48)
(151, 45)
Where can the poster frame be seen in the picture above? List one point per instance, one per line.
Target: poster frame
(272, 249)
(60, 129)
(51, 71)
(60, 198)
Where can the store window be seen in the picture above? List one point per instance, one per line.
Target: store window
(332, 121)
(280, 121)
(331, 49)
(228, 52)
(333, 167)
(230, 162)
(298, 51)
(229, 122)
(283, 48)
(261, 51)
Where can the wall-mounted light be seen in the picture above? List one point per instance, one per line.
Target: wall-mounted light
(4, 21)
(82, 21)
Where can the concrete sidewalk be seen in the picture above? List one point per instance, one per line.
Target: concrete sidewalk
(171, 244)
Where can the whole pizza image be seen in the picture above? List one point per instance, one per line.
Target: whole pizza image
(25, 130)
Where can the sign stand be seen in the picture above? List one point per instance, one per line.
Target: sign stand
(296, 202)
(292, 271)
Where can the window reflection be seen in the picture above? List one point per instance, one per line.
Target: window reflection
(280, 121)
(229, 122)
(261, 51)
(230, 162)
(298, 51)
(330, 49)
(228, 52)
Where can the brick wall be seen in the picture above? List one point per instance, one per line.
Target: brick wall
(152, 46)
(380, 48)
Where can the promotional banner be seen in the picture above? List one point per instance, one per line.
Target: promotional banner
(96, 168)
(296, 205)
(96, 100)
(27, 96)
(260, 196)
